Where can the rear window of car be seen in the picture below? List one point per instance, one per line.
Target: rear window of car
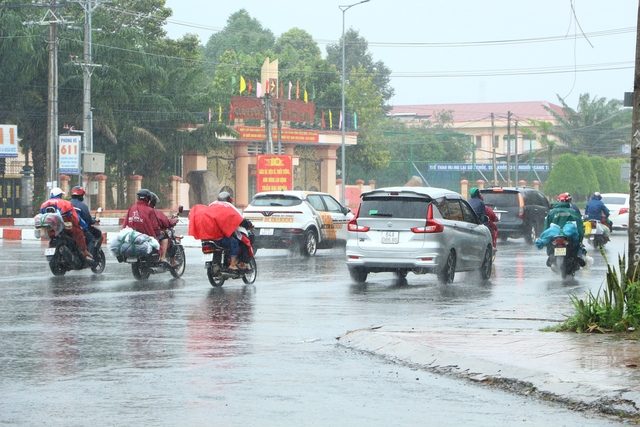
(276, 200)
(501, 199)
(394, 207)
(614, 200)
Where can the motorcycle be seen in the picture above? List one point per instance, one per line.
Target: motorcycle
(564, 257)
(144, 265)
(594, 232)
(63, 253)
(216, 260)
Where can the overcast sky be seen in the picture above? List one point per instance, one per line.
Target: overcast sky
(460, 51)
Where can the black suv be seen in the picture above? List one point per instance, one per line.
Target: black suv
(522, 211)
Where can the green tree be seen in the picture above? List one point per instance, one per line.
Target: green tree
(358, 57)
(614, 166)
(242, 34)
(598, 126)
(566, 177)
(602, 174)
(296, 46)
(590, 179)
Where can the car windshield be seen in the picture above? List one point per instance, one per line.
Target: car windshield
(612, 200)
(501, 199)
(393, 207)
(276, 200)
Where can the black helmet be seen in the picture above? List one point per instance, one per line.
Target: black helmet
(77, 192)
(154, 199)
(144, 194)
(225, 197)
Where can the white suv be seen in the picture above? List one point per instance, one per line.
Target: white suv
(298, 220)
(418, 229)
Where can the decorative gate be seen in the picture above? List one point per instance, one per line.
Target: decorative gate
(10, 197)
(306, 175)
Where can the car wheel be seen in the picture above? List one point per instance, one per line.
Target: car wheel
(531, 233)
(309, 244)
(448, 272)
(182, 261)
(487, 264)
(358, 274)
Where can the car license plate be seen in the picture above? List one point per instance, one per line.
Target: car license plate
(207, 257)
(560, 251)
(266, 231)
(131, 260)
(390, 237)
(50, 251)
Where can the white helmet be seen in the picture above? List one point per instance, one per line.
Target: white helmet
(56, 192)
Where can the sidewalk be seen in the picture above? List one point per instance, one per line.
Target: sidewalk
(594, 372)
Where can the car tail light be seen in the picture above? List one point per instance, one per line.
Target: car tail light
(623, 211)
(521, 208)
(352, 225)
(432, 226)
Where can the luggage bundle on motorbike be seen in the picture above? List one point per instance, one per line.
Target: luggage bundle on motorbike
(48, 225)
(63, 253)
(131, 243)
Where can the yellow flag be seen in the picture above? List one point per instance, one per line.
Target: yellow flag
(330, 120)
(305, 96)
(219, 113)
(243, 85)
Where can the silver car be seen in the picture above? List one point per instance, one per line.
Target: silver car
(418, 229)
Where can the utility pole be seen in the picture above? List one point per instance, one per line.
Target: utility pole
(493, 144)
(508, 148)
(634, 183)
(52, 105)
(280, 106)
(87, 69)
(516, 150)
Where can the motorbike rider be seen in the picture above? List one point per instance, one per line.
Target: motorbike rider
(596, 210)
(562, 214)
(69, 214)
(90, 232)
(162, 224)
(477, 204)
(237, 248)
(142, 218)
(493, 218)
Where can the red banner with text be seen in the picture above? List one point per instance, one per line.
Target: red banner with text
(274, 173)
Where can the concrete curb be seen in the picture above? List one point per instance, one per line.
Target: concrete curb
(23, 229)
(567, 368)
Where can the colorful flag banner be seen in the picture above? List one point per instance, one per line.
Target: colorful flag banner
(209, 114)
(249, 87)
(243, 85)
(340, 121)
(355, 121)
(290, 86)
(306, 99)
(233, 83)
(323, 123)
(297, 89)
(258, 89)
(220, 113)
(330, 120)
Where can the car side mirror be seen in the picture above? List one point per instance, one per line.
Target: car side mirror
(99, 209)
(180, 209)
(346, 210)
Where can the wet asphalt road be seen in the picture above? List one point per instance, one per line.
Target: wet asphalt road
(109, 350)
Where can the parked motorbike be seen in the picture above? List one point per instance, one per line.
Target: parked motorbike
(63, 253)
(144, 265)
(564, 257)
(594, 232)
(216, 260)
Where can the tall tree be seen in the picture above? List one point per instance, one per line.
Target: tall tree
(598, 126)
(242, 34)
(358, 57)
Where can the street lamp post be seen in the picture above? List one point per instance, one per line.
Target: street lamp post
(343, 174)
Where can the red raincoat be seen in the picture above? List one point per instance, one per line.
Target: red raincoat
(213, 222)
